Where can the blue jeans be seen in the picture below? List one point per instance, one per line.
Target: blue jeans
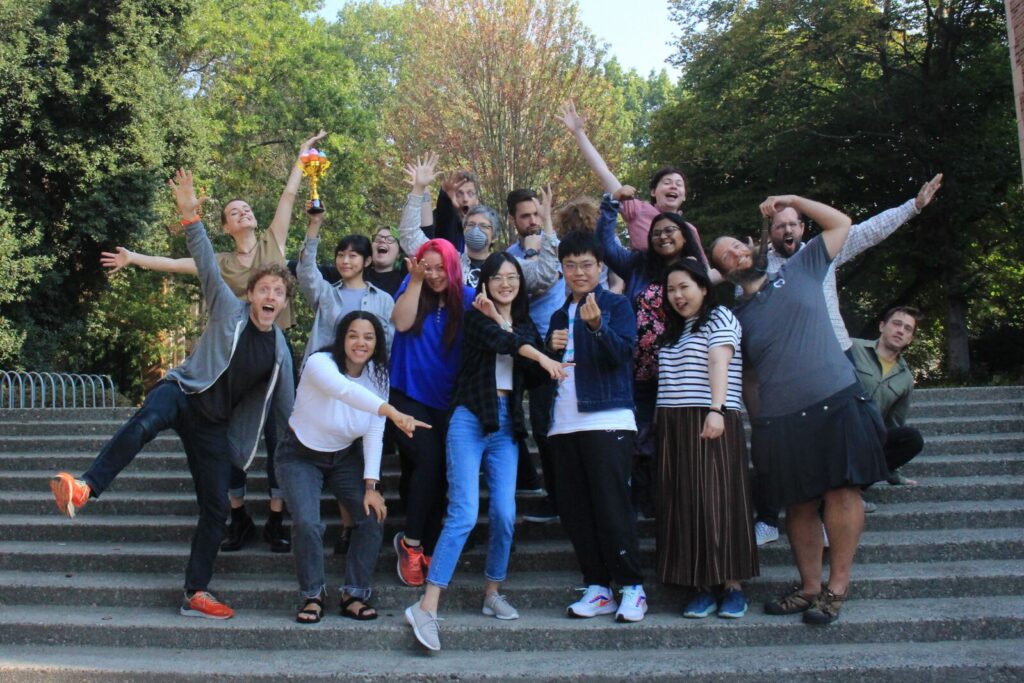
(467, 447)
(302, 473)
(207, 449)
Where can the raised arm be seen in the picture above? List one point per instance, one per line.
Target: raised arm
(574, 122)
(283, 215)
(835, 225)
(620, 260)
(311, 280)
(122, 257)
(408, 303)
(410, 232)
(542, 272)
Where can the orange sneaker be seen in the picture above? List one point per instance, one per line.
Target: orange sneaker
(203, 604)
(410, 562)
(70, 493)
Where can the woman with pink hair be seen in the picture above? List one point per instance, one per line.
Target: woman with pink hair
(424, 362)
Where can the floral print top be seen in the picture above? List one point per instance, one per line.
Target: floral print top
(650, 325)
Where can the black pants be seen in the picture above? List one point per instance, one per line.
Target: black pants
(593, 470)
(423, 486)
(902, 444)
(541, 397)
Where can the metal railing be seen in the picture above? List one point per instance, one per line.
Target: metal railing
(20, 389)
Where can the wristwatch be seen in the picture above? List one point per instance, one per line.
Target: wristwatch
(374, 486)
(530, 253)
(718, 409)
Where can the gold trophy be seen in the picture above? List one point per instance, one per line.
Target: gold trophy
(314, 165)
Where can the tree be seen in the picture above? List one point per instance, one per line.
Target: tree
(857, 103)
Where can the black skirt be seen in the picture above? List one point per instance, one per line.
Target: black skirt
(834, 443)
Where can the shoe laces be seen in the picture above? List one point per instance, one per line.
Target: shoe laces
(633, 594)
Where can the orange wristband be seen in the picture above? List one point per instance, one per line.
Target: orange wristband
(190, 221)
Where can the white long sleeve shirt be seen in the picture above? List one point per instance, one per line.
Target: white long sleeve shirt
(332, 410)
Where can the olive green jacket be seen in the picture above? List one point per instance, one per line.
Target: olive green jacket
(892, 392)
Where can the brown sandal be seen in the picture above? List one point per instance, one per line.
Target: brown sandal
(794, 603)
(314, 614)
(825, 608)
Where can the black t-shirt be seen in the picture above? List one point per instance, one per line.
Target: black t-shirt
(251, 364)
(389, 281)
(474, 271)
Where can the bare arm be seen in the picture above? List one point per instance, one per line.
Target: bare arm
(283, 215)
(574, 122)
(125, 257)
(406, 306)
(718, 376)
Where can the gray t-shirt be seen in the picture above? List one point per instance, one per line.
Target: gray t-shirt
(351, 299)
(788, 337)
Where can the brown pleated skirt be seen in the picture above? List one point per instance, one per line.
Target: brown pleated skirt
(705, 526)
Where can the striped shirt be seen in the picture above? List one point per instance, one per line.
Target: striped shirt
(683, 380)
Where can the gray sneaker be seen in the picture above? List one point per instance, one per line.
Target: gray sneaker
(424, 625)
(497, 606)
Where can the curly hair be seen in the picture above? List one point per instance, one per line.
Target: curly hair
(379, 358)
(577, 214)
(277, 270)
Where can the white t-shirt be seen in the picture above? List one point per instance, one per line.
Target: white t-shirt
(332, 410)
(683, 380)
(566, 418)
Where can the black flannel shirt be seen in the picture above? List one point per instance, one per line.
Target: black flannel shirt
(476, 387)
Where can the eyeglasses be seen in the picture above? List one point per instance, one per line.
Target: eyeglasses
(572, 266)
(664, 232)
(507, 279)
(386, 239)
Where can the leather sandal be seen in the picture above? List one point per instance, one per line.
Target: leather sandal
(307, 611)
(794, 603)
(361, 614)
(825, 608)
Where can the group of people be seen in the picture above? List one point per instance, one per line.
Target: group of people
(636, 377)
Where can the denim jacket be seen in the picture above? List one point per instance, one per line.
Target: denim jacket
(212, 355)
(604, 359)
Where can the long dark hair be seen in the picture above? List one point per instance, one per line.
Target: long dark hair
(490, 268)
(675, 324)
(430, 301)
(655, 265)
(380, 347)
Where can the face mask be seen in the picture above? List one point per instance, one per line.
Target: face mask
(476, 239)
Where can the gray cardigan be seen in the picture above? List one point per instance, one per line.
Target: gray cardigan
(327, 302)
(212, 355)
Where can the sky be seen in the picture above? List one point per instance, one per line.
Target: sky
(638, 37)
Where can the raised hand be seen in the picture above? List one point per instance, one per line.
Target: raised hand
(417, 271)
(483, 304)
(590, 312)
(422, 173)
(559, 340)
(185, 194)
(928, 190)
(568, 116)
(772, 205)
(308, 144)
(554, 368)
(547, 199)
(714, 425)
(625, 192)
(116, 261)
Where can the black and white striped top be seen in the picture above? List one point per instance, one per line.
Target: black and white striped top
(683, 367)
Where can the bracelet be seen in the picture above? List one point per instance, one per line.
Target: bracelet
(720, 411)
(190, 221)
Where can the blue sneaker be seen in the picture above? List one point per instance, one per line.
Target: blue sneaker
(734, 605)
(702, 604)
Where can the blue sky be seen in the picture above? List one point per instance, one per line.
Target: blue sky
(638, 32)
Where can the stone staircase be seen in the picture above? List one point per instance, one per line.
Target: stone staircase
(938, 584)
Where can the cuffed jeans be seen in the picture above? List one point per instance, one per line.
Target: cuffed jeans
(207, 449)
(468, 446)
(594, 470)
(303, 473)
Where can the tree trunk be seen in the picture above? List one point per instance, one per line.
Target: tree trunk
(958, 357)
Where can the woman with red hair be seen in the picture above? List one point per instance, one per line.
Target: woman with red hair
(424, 362)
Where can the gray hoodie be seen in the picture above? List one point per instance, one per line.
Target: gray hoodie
(212, 355)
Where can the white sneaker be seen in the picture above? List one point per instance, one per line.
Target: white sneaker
(596, 600)
(497, 606)
(765, 533)
(634, 604)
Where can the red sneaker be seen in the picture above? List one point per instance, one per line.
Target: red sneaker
(410, 562)
(203, 604)
(70, 493)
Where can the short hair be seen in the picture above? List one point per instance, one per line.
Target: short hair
(578, 243)
(905, 310)
(277, 270)
(357, 243)
(463, 176)
(224, 209)
(664, 171)
(711, 249)
(577, 214)
(491, 215)
(517, 197)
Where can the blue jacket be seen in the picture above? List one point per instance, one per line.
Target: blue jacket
(604, 359)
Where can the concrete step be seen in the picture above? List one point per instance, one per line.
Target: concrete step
(999, 423)
(547, 629)
(954, 394)
(958, 409)
(996, 661)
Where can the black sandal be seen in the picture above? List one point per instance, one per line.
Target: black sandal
(317, 614)
(361, 613)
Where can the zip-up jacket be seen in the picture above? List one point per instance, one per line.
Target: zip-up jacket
(891, 392)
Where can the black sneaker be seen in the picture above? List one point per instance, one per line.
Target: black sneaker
(240, 532)
(546, 515)
(275, 533)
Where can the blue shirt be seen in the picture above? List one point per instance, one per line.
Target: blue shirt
(422, 367)
(542, 305)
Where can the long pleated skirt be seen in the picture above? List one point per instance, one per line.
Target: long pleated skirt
(705, 524)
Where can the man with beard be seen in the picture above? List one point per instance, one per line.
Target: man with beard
(787, 230)
(817, 437)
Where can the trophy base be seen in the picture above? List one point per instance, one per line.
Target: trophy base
(316, 207)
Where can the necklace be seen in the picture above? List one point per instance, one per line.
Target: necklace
(246, 253)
